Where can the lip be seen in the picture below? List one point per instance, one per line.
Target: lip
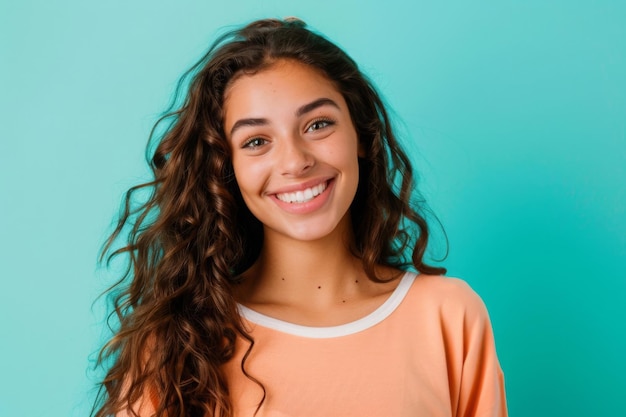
(309, 206)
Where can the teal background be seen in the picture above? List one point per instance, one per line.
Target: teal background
(515, 113)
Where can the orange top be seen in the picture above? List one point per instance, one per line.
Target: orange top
(427, 351)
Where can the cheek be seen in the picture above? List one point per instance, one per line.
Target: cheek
(343, 156)
(250, 176)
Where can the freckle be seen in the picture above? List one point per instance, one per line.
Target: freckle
(283, 279)
(343, 301)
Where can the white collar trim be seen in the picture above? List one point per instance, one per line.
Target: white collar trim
(372, 319)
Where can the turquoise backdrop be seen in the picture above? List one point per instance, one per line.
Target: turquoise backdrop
(514, 111)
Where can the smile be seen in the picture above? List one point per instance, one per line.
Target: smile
(303, 196)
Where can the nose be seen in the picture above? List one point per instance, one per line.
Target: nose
(295, 157)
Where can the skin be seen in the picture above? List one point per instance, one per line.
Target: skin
(289, 129)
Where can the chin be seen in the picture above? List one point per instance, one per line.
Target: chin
(313, 231)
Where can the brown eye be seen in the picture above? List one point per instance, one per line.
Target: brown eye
(319, 124)
(254, 143)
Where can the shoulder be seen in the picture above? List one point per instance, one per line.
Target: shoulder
(448, 310)
(446, 297)
(443, 288)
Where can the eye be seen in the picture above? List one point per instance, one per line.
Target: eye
(319, 124)
(254, 143)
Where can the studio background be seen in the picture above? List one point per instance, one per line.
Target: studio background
(514, 113)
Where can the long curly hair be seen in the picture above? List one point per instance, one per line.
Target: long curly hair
(191, 236)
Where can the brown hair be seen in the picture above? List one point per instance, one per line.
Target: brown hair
(193, 235)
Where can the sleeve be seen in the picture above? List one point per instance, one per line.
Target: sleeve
(477, 377)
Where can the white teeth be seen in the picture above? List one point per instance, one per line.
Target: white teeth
(302, 196)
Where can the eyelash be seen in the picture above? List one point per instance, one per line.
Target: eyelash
(326, 121)
(250, 143)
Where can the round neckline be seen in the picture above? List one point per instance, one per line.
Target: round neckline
(382, 312)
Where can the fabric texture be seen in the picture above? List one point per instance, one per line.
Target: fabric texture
(427, 351)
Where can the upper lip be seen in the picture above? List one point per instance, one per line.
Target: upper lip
(301, 186)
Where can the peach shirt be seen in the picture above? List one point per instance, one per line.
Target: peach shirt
(427, 351)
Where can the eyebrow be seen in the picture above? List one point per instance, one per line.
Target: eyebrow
(248, 122)
(309, 107)
(315, 104)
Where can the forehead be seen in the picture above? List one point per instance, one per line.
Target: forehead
(283, 83)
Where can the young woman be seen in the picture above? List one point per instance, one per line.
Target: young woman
(269, 264)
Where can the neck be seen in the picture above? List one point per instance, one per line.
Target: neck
(320, 261)
(314, 272)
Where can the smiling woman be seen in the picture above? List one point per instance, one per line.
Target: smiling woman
(273, 269)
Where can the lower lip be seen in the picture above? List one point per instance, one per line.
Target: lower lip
(309, 206)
